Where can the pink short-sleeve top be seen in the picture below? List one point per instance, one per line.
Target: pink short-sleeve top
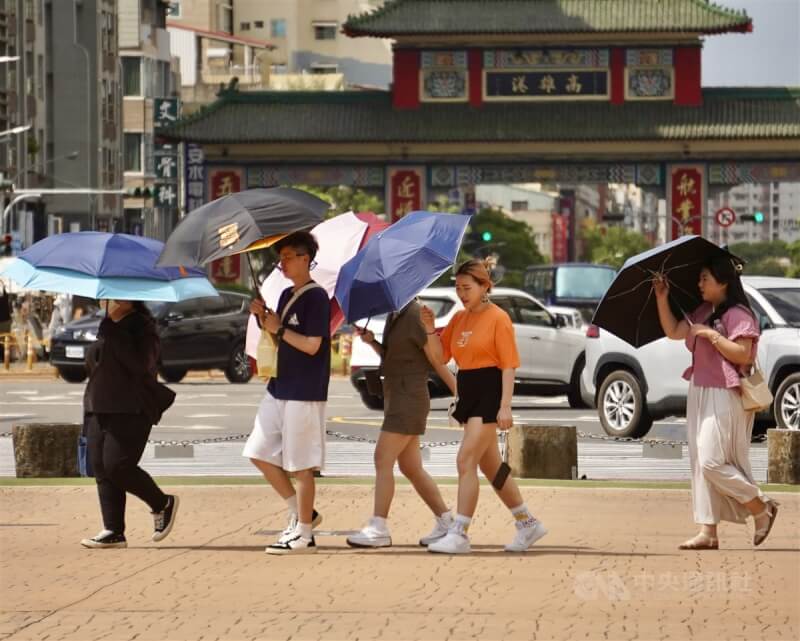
(709, 368)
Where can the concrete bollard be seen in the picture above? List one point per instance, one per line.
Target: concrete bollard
(543, 451)
(783, 456)
(46, 450)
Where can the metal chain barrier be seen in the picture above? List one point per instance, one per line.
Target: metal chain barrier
(426, 444)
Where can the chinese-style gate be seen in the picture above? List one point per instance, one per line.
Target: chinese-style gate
(512, 91)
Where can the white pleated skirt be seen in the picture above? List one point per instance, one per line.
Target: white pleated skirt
(719, 432)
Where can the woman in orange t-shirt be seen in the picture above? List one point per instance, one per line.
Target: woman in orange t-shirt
(481, 339)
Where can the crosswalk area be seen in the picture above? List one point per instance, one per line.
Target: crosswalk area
(597, 460)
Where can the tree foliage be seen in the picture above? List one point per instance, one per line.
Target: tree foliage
(769, 258)
(344, 198)
(611, 245)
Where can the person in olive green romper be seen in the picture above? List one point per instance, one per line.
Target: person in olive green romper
(406, 363)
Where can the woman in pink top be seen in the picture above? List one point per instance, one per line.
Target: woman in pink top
(723, 336)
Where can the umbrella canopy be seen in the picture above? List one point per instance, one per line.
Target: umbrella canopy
(104, 255)
(398, 263)
(628, 309)
(339, 239)
(66, 281)
(98, 265)
(233, 223)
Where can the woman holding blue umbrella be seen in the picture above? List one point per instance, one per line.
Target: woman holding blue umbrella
(481, 339)
(122, 401)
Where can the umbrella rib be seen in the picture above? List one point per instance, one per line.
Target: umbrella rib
(641, 312)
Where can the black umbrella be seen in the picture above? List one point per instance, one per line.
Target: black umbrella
(628, 309)
(231, 224)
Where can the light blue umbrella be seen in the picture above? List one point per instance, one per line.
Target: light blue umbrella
(67, 281)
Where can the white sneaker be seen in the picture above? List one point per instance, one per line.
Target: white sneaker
(439, 531)
(291, 526)
(527, 535)
(371, 536)
(296, 545)
(452, 543)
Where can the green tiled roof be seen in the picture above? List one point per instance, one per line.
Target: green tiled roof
(364, 117)
(412, 17)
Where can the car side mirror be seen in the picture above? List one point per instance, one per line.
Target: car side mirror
(559, 321)
(172, 317)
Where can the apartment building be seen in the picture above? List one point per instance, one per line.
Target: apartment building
(308, 38)
(148, 72)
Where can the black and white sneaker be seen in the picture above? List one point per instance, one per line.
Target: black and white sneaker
(164, 520)
(296, 545)
(291, 526)
(105, 539)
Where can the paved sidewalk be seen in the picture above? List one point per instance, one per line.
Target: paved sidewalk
(609, 569)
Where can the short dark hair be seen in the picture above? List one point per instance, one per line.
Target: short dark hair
(299, 240)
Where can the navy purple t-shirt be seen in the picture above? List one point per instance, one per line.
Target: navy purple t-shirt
(302, 377)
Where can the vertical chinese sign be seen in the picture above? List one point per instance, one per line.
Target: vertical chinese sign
(686, 199)
(221, 182)
(195, 179)
(405, 190)
(166, 198)
(559, 252)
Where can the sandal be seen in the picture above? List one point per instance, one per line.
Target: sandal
(700, 542)
(760, 534)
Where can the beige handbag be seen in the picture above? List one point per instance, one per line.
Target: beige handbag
(755, 391)
(267, 350)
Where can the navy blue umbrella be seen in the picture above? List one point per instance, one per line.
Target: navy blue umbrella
(628, 309)
(398, 263)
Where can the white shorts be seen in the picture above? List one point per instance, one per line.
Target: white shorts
(289, 434)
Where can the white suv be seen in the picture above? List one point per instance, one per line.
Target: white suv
(551, 354)
(633, 387)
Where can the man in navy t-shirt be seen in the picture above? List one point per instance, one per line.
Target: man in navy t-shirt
(289, 431)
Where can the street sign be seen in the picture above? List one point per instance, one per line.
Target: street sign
(725, 217)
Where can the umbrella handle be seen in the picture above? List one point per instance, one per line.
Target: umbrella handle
(253, 276)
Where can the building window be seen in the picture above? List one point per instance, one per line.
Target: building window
(174, 9)
(133, 152)
(321, 68)
(131, 76)
(519, 205)
(244, 26)
(324, 30)
(225, 18)
(258, 24)
(277, 28)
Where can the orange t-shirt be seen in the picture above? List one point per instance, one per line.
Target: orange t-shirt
(485, 339)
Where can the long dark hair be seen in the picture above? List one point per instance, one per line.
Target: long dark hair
(725, 271)
(144, 310)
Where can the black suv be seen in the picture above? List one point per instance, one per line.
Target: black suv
(202, 333)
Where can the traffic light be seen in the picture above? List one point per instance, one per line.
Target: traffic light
(486, 236)
(6, 250)
(756, 217)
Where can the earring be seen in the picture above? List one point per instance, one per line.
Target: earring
(485, 298)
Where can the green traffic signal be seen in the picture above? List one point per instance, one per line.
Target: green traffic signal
(486, 236)
(758, 217)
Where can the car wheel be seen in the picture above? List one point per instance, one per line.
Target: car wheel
(787, 403)
(72, 374)
(574, 392)
(239, 370)
(621, 406)
(172, 374)
(372, 402)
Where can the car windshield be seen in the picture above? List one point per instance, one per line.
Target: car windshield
(583, 281)
(785, 301)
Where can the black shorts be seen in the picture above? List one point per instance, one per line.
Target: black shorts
(479, 394)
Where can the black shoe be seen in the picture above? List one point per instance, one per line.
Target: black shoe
(164, 520)
(295, 545)
(106, 539)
